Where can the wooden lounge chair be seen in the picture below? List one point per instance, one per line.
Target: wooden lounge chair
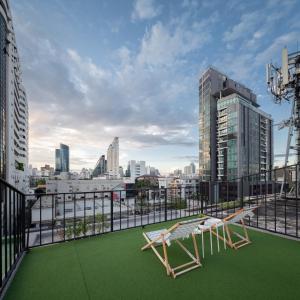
(164, 238)
(237, 217)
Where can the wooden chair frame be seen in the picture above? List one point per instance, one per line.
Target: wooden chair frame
(243, 239)
(181, 269)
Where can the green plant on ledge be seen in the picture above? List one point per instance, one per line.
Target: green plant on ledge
(202, 215)
(101, 222)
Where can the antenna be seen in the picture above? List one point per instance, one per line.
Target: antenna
(284, 68)
(284, 85)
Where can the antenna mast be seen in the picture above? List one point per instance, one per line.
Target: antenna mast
(284, 84)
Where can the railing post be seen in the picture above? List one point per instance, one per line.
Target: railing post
(166, 213)
(27, 222)
(201, 191)
(23, 221)
(111, 211)
(275, 200)
(242, 191)
(296, 191)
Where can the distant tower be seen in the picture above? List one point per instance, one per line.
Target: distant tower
(62, 159)
(113, 159)
(65, 158)
(57, 161)
(13, 107)
(100, 167)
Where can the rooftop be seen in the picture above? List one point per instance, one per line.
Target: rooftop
(112, 266)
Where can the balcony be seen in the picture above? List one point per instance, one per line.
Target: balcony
(112, 266)
(94, 239)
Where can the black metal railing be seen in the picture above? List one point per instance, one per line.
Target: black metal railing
(60, 217)
(275, 193)
(12, 230)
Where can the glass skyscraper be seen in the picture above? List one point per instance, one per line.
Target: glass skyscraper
(101, 166)
(64, 156)
(57, 161)
(62, 159)
(235, 136)
(244, 138)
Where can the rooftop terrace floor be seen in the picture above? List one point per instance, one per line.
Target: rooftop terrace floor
(112, 266)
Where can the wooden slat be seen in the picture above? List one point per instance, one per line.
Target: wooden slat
(186, 270)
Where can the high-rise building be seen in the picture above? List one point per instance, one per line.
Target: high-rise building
(136, 168)
(190, 169)
(121, 172)
(57, 161)
(113, 159)
(101, 167)
(62, 159)
(65, 158)
(244, 139)
(235, 136)
(13, 107)
(152, 171)
(177, 172)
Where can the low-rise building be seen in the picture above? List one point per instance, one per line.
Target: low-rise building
(78, 186)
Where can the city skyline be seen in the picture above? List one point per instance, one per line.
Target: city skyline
(137, 76)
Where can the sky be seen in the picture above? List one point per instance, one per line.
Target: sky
(96, 69)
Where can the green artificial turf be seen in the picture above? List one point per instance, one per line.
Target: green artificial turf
(112, 266)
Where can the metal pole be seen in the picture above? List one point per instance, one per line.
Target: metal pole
(111, 211)
(297, 100)
(288, 146)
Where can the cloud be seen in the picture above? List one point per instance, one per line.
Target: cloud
(193, 158)
(274, 49)
(146, 90)
(247, 23)
(255, 25)
(143, 98)
(254, 40)
(165, 45)
(189, 3)
(145, 9)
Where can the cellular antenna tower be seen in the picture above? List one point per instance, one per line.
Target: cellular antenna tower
(284, 84)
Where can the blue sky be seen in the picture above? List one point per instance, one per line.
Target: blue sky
(98, 69)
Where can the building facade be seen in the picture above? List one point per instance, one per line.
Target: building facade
(136, 168)
(57, 161)
(244, 139)
(62, 159)
(101, 167)
(13, 107)
(190, 169)
(152, 171)
(77, 186)
(113, 159)
(235, 136)
(47, 170)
